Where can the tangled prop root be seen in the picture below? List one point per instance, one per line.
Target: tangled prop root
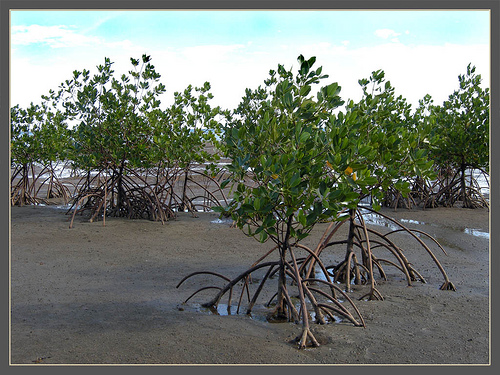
(361, 270)
(146, 194)
(316, 296)
(445, 191)
(29, 181)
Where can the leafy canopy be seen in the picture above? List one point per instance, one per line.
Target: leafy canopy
(114, 115)
(462, 125)
(39, 134)
(378, 142)
(280, 156)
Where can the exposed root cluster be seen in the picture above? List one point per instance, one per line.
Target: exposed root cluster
(313, 291)
(33, 184)
(297, 300)
(448, 189)
(369, 242)
(155, 194)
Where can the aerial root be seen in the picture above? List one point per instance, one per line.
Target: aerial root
(317, 296)
(144, 194)
(202, 273)
(373, 295)
(448, 285)
(431, 254)
(363, 238)
(302, 339)
(200, 290)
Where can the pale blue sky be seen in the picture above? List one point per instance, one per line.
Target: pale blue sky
(421, 51)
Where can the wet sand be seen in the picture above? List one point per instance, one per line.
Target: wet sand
(99, 294)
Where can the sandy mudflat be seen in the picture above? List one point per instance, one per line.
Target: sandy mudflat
(99, 294)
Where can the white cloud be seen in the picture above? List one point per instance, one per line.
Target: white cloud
(211, 52)
(414, 70)
(123, 44)
(386, 33)
(54, 36)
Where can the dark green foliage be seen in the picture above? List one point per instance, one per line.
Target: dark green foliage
(376, 142)
(458, 143)
(39, 139)
(462, 125)
(131, 152)
(279, 149)
(461, 139)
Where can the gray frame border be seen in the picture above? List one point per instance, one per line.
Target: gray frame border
(492, 5)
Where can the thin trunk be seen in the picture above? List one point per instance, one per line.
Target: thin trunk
(24, 192)
(350, 247)
(350, 256)
(280, 306)
(120, 197)
(283, 247)
(184, 199)
(465, 198)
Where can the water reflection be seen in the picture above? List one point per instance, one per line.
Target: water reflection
(374, 219)
(222, 221)
(409, 221)
(476, 233)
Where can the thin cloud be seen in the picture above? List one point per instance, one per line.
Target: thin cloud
(232, 68)
(54, 36)
(211, 52)
(386, 33)
(414, 70)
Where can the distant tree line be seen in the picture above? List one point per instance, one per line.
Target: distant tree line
(132, 157)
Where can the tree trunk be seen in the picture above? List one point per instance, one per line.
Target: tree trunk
(120, 196)
(24, 191)
(350, 256)
(465, 198)
(184, 188)
(280, 312)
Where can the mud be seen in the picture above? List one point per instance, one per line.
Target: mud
(99, 294)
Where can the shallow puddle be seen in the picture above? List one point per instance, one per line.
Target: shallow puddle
(374, 219)
(476, 233)
(56, 206)
(223, 309)
(227, 221)
(409, 221)
(259, 312)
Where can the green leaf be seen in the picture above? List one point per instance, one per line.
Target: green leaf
(364, 150)
(224, 183)
(256, 204)
(333, 89)
(269, 221)
(304, 137)
(305, 90)
(356, 166)
(370, 180)
(263, 236)
(288, 100)
(311, 218)
(302, 218)
(295, 180)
